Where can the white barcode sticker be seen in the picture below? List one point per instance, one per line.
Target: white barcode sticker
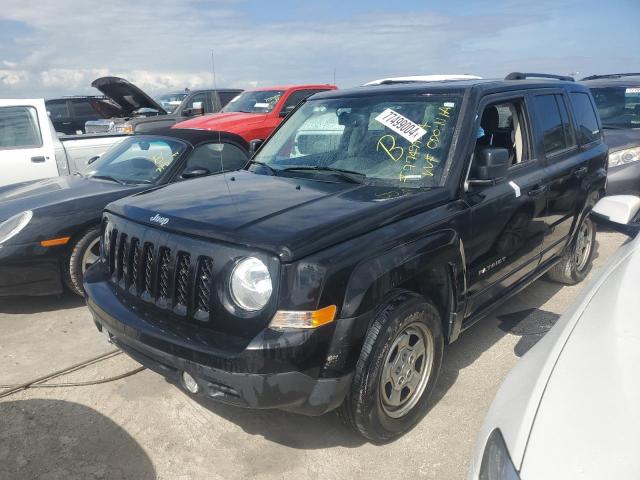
(401, 125)
(632, 90)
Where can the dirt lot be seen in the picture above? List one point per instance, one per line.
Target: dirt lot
(141, 427)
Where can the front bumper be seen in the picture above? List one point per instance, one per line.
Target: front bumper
(30, 269)
(256, 377)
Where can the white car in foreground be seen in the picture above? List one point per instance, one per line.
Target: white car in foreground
(570, 409)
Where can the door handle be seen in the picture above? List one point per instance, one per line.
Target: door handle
(537, 191)
(39, 159)
(580, 172)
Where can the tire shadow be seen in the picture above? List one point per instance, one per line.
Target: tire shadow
(31, 305)
(58, 439)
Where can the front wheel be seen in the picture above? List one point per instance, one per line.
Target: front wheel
(576, 261)
(397, 370)
(85, 252)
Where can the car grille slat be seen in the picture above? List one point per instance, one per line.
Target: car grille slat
(182, 282)
(204, 279)
(147, 271)
(134, 264)
(174, 280)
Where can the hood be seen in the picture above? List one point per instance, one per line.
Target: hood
(129, 97)
(622, 139)
(290, 217)
(105, 108)
(59, 203)
(224, 121)
(588, 419)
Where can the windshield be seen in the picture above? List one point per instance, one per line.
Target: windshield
(619, 107)
(393, 139)
(258, 101)
(170, 101)
(138, 160)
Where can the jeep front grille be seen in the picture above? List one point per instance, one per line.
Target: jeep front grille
(180, 282)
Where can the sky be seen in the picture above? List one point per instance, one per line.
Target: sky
(50, 49)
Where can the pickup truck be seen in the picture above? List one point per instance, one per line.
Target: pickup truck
(31, 149)
(333, 277)
(254, 114)
(141, 113)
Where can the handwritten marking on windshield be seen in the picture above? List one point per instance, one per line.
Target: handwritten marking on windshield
(390, 149)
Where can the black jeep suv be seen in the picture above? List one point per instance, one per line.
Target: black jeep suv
(331, 272)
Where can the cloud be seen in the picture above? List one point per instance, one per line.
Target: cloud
(59, 48)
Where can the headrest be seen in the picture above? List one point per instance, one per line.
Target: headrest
(490, 119)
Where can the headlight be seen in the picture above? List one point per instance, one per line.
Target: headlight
(496, 462)
(622, 157)
(11, 227)
(124, 128)
(250, 284)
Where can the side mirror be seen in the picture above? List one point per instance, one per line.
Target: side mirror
(193, 112)
(490, 164)
(286, 110)
(619, 213)
(193, 172)
(93, 159)
(254, 146)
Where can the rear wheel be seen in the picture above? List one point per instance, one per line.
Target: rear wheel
(85, 253)
(397, 370)
(576, 261)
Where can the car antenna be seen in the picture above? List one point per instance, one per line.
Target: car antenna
(215, 89)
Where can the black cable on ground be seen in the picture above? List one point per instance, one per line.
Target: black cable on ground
(39, 382)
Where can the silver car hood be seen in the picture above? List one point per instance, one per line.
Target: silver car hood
(549, 401)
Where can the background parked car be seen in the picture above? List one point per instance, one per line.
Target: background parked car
(31, 149)
(570, 408)
(69, 114)
(141, 113)
(617, 97)
(49, 229)
(254, 114)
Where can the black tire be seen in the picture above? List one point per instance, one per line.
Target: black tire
(569, 270)
(363, 407)
(73, 270)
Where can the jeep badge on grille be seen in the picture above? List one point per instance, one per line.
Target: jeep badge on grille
(158, 219)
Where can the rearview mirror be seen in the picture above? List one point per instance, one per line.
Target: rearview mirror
(490, 164)
(193, 172)
(619, 213)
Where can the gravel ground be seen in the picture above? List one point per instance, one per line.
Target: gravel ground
(141, 427)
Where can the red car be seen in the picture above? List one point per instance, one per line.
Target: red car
(254, 114)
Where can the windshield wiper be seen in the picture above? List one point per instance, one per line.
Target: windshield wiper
(613, 127)
(108, 177)
(273, 171)
(352, 176)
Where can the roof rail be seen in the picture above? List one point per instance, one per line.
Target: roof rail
(611, 75)
(524, 76)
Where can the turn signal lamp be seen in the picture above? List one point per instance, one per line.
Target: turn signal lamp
(303, 319)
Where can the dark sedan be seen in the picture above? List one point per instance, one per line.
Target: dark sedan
(49, 229)
(617, 97)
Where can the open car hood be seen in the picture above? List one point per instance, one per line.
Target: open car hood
(125, 94)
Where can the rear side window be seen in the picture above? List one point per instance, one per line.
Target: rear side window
(226, 97)
(83, 109)
(58, 110)
(556, 129)
(19, 127)
(587, 121)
